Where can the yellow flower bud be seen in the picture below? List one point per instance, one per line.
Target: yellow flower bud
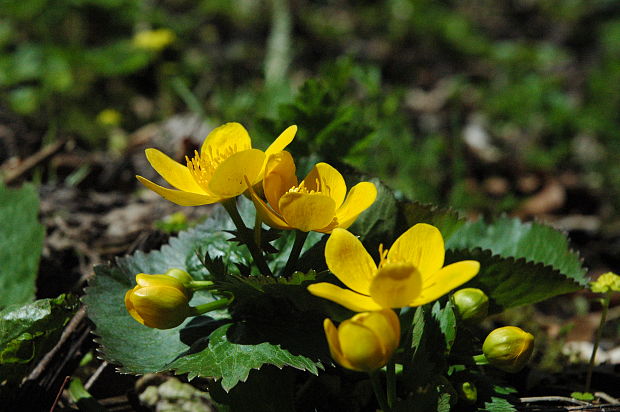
(468, 392)
(508, 348)
(609, 282)
(365, 342)
(471, 304)
(160, 301)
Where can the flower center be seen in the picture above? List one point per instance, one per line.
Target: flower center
(319, 187)
(202, 168)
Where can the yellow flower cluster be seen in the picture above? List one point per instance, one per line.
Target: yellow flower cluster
(410, 273)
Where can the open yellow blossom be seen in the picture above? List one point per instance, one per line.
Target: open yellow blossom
(411, 273)
(319, 203)
(365, 342)
(219, 172)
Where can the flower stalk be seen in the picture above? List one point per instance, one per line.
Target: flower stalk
(231, 207)
(300, 239)
(375, 379)
(211, 306)
(605, 300)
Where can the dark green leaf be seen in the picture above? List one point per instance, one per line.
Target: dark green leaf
(233, 361)
(377, 224)
(498, 405)
(28, 331)
(511, 238)
(447, 322)
(513, 282)
(447, 221)
(22, 241)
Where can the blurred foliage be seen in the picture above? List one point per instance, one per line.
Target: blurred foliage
(22, 240)
(390, 87)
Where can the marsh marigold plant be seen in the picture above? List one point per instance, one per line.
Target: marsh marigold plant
(410, 273)
(318, 203)
(219, 172)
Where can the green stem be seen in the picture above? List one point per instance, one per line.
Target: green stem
(391, 383)
(231, 207)
(599, 332)
(480, 359)
(300, 238)
(211, 306)
(201, 285)
(258, 222)
(378, 389)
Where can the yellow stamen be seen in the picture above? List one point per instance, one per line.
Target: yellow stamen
(203, 167)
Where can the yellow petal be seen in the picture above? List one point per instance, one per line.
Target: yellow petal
(347, 258)
(421, 245)
(285, 138)
(228, 180)
(344, 297)
(130, 307)
(331, 333)
(443, 281)
(385, 325)
(396, 285)
(307, 211)
(178, 196)
(175, 173)
(361, 346)
(143, 280)
(160, 307)
(227, 136)
(279, 177)
(327, 180)
(360, 197)
(266, 212)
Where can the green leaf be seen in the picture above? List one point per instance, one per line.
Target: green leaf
(533, 241)
(582, 396)
(447, 322)
(22, 242)
(84, 400)
(510, 282)
(27, 332)
(498, 405)
(377, 224)
(446, 220)
(424, 358)
(233, 361)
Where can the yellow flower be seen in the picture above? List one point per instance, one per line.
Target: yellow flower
(411, 273)
(606, 283)
(160, 301)
(508, 348)
(219, 172)
(153, 39)
(319, 203)
(366, 341)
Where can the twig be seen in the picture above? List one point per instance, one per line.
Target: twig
(95, 376)
(606, 397)
(553, 399)
(66, 333)
(62, 387)
(34, 160)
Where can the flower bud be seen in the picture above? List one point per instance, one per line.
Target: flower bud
(508, 348)
(471, 304)
(365, 342)
(468, 392)
(160, 301)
